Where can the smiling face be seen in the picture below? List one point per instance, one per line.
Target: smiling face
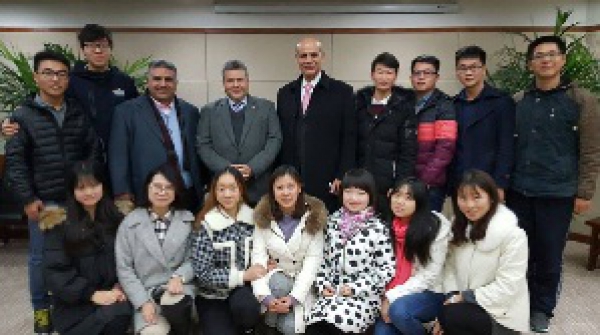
(423, 78)
(228, 193)
(162, 84)
(161, 192)
(473, 202)
(236, 84)
(355, 199)
(52, 78)
(383, 77)
(547, 61)
(309, 57)
(286, 191)
(402, 203)
(88, 192)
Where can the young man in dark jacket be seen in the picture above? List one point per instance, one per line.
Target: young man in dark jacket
(387, 141)
(556, 167)
(437, 128)
(54, 133)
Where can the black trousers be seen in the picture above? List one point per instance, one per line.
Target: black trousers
(322, 327)
(179, 316)
(231, 316)
(465, 319)
(113, 319)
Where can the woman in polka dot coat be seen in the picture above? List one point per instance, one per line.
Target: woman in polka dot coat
(358, 262)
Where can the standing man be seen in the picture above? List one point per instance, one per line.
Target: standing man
(387, 128)
(318, 124)
(55, 133)
(241, 131)
(486, 122)
(151, 130)
(557, 163)
(437, 128)
(97, 86)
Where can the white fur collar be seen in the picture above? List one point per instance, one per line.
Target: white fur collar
(216, 219)
(502, 224)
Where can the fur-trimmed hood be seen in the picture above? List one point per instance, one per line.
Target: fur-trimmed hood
(51, 217)
(315, 221)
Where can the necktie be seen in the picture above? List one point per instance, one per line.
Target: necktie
(306, 99)
(238, 106)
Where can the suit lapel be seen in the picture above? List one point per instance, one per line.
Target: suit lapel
(148, 116)
(177, 234)
(479, 115)
(150, 240)
(222, 111)
(249, 117)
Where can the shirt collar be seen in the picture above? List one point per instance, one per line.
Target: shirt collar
(421, 102)
(155, 217)
(313, 82)
(244, 102)
(162, 107)
(38, 100)
(383, 101)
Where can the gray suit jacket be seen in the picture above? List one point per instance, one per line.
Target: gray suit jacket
(259, 144)
(142, 263)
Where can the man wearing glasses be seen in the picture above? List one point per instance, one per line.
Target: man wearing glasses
(98, 86)
(437, 128)
(55, 133)
(556, 167)
(486, 122)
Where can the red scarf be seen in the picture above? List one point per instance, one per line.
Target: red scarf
(403, 266)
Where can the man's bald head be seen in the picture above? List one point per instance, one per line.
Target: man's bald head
(309, 56)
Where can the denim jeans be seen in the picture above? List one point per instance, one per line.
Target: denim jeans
(546, 222)
(408, 313)
(37, 287)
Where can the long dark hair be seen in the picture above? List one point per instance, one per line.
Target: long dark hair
(471, 180)
(211, 201)
(301, 207)
(423, 226)
(170, 174)
(81, 232)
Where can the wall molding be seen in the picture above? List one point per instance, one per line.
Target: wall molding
(159, 30)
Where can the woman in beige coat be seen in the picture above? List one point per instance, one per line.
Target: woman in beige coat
(485, 270)
(289, 232)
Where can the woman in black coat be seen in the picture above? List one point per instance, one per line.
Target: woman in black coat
(79, 261)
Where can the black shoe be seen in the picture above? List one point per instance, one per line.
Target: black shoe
(539, 322)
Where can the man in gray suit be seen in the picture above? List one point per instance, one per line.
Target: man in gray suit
(241, 131)
(151, 130)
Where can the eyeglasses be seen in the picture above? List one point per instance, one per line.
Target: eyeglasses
(424, 73)
(160, 188)
(50, 74)
(471, 68)
(96, 45)
(552, 55)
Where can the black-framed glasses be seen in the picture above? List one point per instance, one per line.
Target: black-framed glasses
(470, 68)
(424, 73)
(51, 74)
(552, 55)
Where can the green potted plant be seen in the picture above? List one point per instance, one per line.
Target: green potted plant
(582, 65)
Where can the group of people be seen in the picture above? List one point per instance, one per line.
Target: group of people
(164, 206)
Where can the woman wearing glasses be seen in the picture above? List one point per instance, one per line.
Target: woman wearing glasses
(152, 257)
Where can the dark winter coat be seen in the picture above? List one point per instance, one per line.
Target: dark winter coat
(39, 155)
(387, 143)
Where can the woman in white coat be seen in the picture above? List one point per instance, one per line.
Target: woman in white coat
(288, 232)
(485, 271)
(152, 255)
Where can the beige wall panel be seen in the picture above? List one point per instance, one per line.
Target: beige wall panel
(263, 89)
(593, 40)
(352, 54)
(268, 57)
(30, 43)
(194, 92)
(186, 51)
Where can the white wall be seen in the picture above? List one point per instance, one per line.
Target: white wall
(593, 16)
(197, 13)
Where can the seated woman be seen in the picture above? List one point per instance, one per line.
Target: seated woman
(484, 273)
(221, 259)
(289, 231)
(358, 262)
(420, 239)
(152, 254)
(79, 261)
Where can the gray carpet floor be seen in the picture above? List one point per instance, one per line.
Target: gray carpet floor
(578, 312)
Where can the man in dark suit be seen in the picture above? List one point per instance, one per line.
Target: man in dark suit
(318, 123)
(151, 130)
(240, 130)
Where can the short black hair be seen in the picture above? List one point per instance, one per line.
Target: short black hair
(471, 51)
(386, 59)
(361, 179)
(560, 43)
(92, 32)
(426, 59)
(49, 55)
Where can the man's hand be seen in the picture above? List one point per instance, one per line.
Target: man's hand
(32, 210)
(175, 285)
(582, 205)
(244, 169)
(9, 128)
(118, 291)
(254, 272)
(334, 186)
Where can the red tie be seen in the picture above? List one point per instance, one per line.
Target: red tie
(306, 100)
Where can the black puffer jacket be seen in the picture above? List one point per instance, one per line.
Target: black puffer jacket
(387, 143)
(40, 154)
